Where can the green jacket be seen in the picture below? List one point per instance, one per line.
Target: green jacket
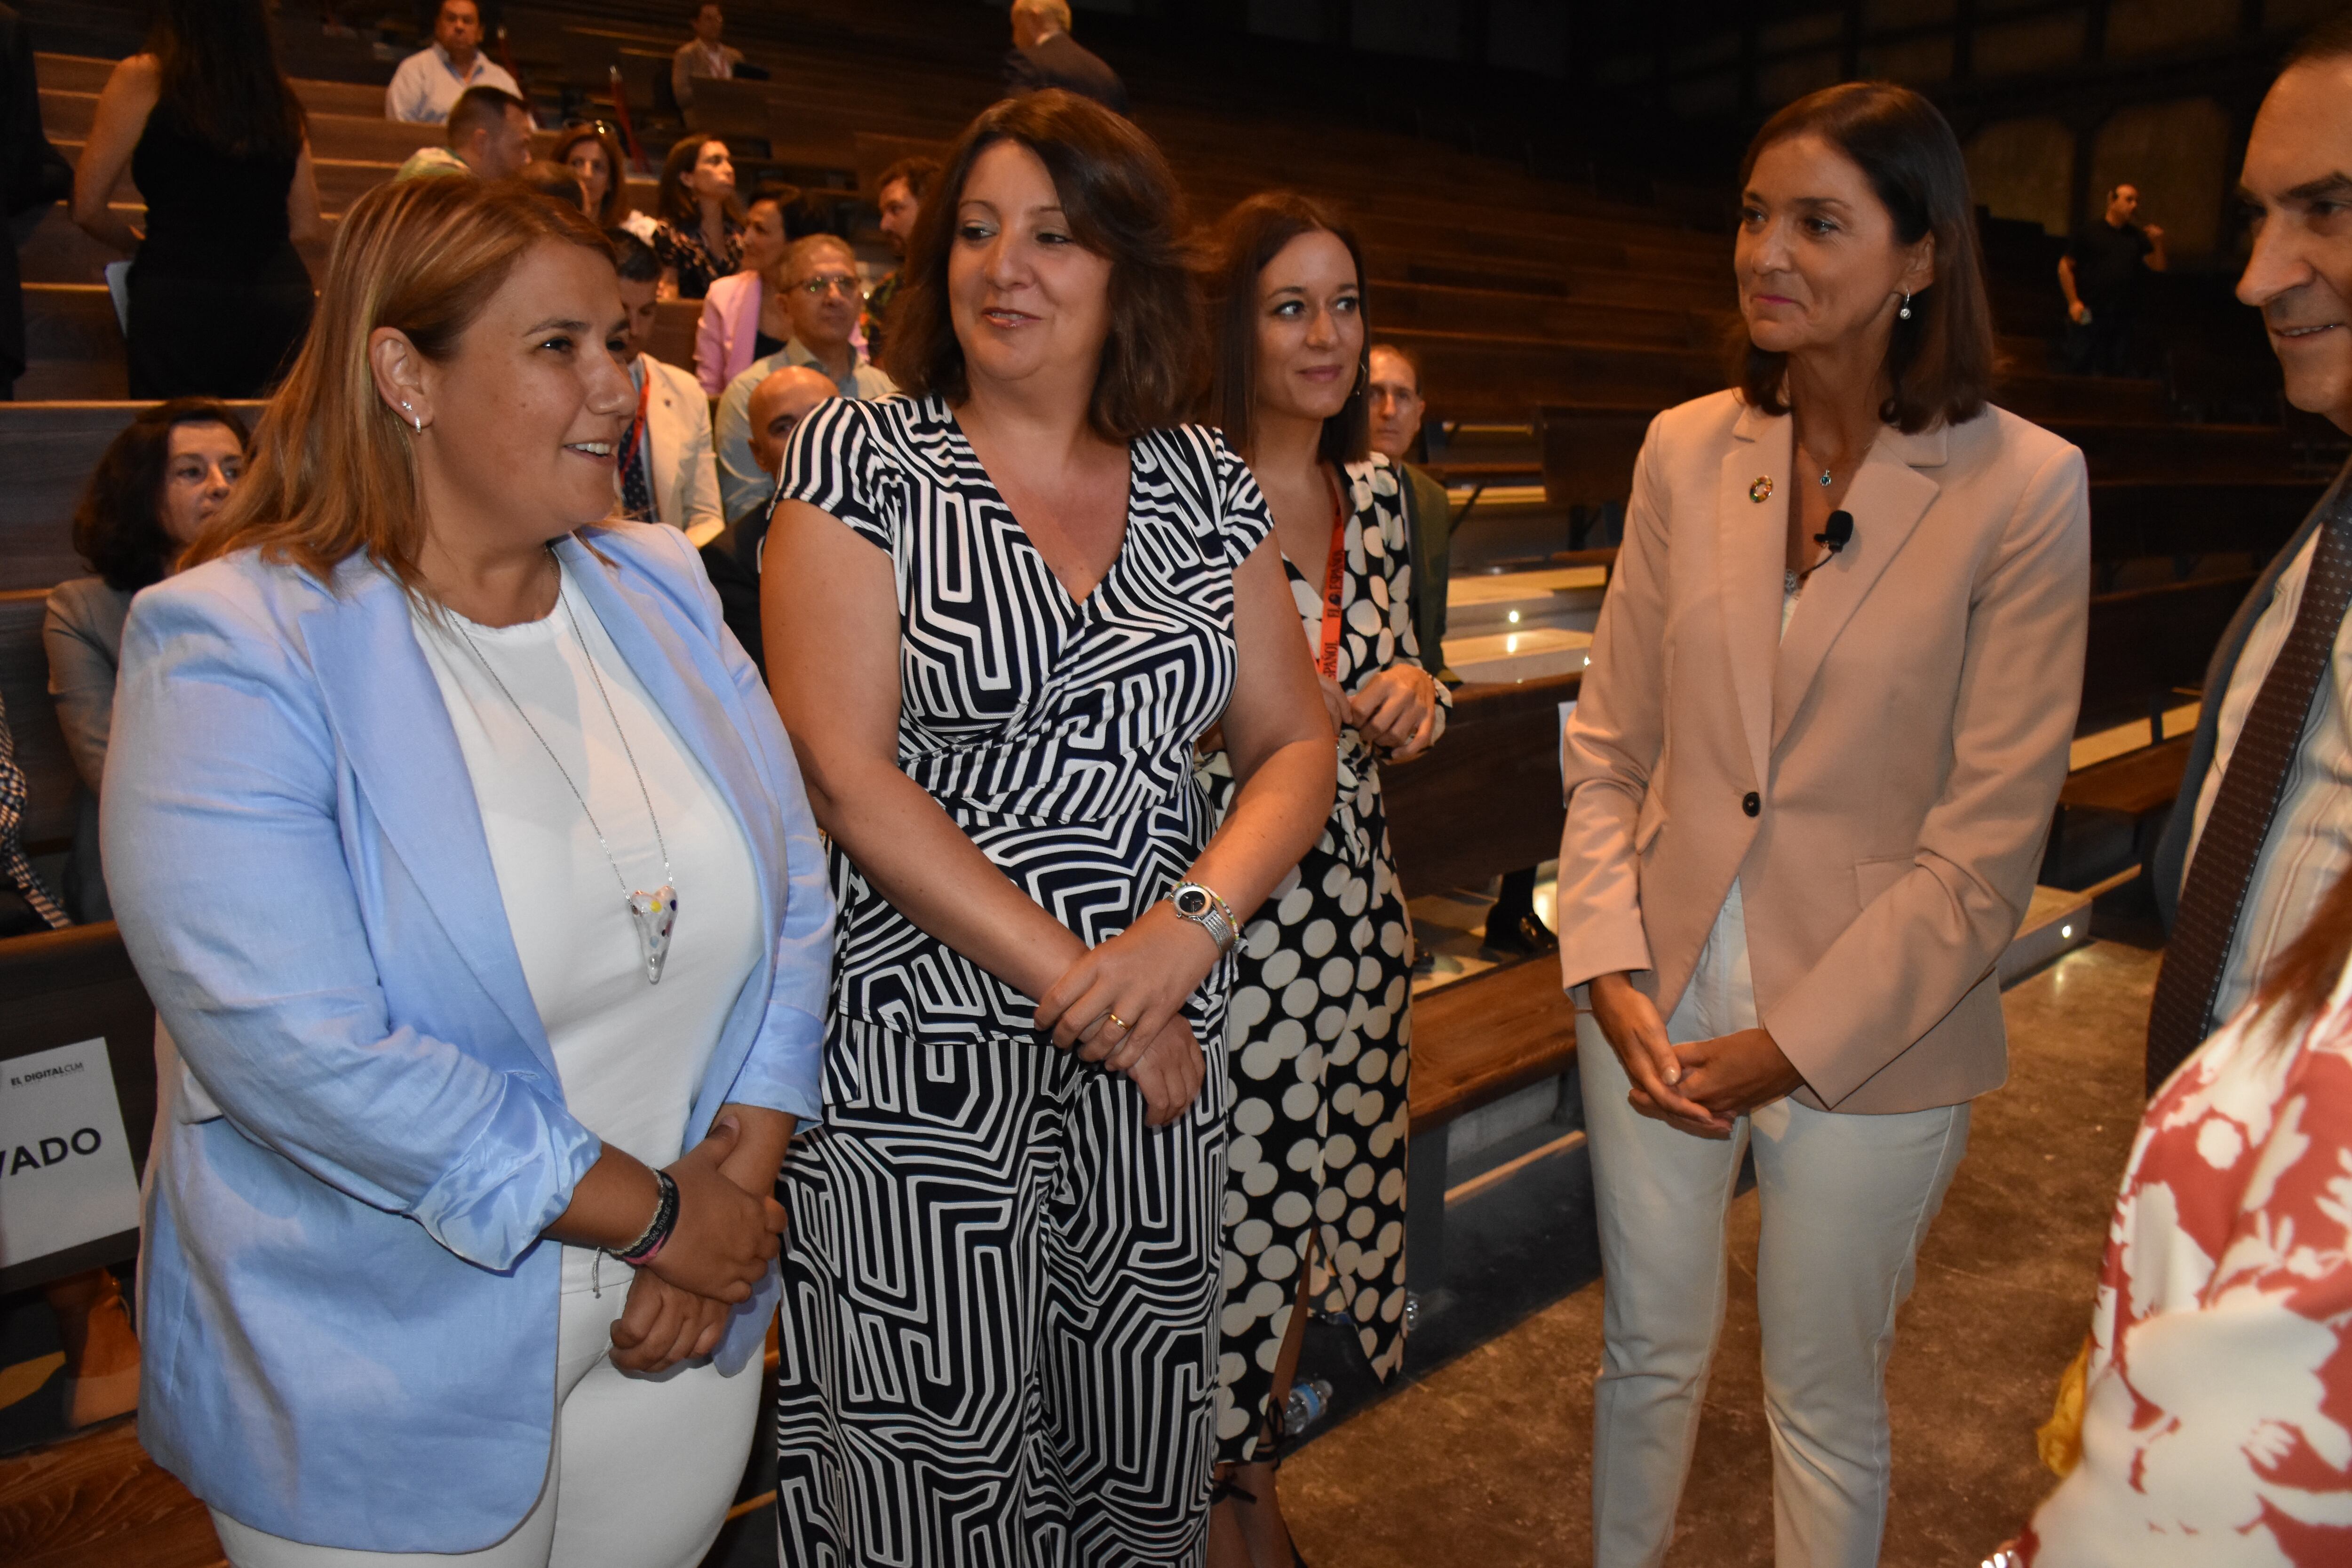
(1430, 512)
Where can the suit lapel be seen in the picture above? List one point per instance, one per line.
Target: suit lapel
(389, 717)
(661, 422)
(685, 682)
(1749, 549)
(1887, 498)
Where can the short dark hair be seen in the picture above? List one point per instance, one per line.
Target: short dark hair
(673, 201)
(633, 259)
(116, 527)
(1411, 358)
(1939, 363)
(1122, 204)
(917, 172)
(480, 108)
(1252, 235)
(2331, 40)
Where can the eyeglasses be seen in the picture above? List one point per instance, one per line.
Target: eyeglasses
(847, 288)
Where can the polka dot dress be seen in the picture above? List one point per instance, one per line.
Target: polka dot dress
(1319, 1031)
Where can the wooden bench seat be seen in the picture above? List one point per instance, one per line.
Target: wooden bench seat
(1475, 1042)
(2136, 784)
(1485, 799)
(1493, 1034)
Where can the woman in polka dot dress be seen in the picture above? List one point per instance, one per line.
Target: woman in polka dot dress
(1318, 1032)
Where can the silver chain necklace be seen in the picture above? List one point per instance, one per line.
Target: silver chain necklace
(653, 915)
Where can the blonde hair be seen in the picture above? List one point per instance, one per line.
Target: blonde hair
(332, 470)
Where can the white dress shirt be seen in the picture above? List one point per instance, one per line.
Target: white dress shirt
(742, 483)
(427, 84)
(2310, 841)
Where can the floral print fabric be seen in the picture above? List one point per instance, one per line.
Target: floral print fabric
(2218, 1414)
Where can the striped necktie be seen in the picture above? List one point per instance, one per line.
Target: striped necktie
(636, 489)
(2213, 894)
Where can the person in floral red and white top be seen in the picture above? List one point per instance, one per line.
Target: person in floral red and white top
(2217, 1408)
(2217, 1423)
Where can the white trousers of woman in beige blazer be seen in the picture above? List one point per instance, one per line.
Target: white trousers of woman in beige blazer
(1830, 830)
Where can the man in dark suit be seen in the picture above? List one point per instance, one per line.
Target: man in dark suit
(2262, 825)
(1044, 55)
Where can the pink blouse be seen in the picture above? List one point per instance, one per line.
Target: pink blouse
(730, 326)
(2217, 1423)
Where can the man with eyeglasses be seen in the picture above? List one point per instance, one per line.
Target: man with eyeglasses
(822, 297)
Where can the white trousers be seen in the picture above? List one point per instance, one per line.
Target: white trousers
(1845, 1201)
(640, 1474)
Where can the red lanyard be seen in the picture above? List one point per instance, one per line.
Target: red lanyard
(1334, 577)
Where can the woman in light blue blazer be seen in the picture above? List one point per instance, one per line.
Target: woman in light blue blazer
(471, 873)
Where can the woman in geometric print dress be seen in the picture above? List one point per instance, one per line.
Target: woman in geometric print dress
(1319, 1031)
(1004, 609)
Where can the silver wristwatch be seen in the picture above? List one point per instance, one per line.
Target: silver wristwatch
(1203, 908)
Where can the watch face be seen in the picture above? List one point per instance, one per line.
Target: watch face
(1192, 901)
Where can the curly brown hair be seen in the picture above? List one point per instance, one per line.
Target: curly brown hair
(118, 526)
(1122, 204)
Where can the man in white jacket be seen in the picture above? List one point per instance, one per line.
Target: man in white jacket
(666, 472)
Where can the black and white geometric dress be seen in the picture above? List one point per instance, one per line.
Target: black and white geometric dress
(1319, 1030)
(999, 1285)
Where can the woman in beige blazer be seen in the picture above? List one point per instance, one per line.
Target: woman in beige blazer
(1808, 785)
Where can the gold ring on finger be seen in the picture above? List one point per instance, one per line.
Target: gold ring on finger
(1124, 1026)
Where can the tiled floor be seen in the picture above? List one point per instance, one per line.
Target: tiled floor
(1487, 1463)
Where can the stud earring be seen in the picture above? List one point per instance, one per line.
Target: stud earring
(1906, 311)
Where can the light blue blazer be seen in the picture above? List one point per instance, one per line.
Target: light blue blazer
(348, 1315)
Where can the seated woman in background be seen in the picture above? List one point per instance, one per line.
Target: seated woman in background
(591, 153)
(210, 129)
(416, 761)
(152, 492)
(2214, 1416)
(1319, 1035)
(743, 315)
(700, 235)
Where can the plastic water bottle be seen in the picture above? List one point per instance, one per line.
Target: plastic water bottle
(1306, 1405)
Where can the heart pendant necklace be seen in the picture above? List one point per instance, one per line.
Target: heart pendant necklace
(652, 915)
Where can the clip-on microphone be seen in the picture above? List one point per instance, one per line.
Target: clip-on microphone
(1837, 533)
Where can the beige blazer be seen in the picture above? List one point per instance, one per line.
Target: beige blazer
(1903, 744)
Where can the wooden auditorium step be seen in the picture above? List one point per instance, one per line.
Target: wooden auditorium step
(1492, 1035)
(67, 117)
(73, 345)
(87, 74)
(97, 1500)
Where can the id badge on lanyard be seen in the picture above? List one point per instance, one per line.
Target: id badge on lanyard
(1335, 574)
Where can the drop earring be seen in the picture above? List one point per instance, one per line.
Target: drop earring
(1906, 311)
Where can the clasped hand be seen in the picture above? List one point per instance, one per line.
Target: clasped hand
(1138, 978)
(1700, 1087)
(729, 1229)
(1395, 710)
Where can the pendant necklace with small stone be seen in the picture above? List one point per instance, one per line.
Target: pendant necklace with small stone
(654, 914)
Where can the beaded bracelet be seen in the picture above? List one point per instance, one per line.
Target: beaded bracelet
(649, 1246)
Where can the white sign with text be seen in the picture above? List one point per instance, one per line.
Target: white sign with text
(65, 1164)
